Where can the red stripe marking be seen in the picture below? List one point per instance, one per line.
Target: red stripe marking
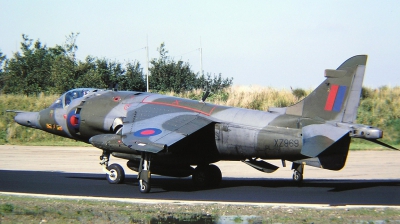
(331, 97)
(179, 106)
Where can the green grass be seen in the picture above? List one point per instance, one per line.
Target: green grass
(19, 209)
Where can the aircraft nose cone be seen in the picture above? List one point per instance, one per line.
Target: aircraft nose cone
(29, 119)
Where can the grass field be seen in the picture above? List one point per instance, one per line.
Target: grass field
(16, 209)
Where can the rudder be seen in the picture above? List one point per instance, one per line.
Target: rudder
(337, 97)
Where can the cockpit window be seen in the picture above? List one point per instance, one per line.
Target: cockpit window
(74, 94)
(57, 103)
(69, 96)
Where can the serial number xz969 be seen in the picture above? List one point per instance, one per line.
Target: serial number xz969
(291, 143)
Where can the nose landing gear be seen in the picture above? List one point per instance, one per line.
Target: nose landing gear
(115, 174)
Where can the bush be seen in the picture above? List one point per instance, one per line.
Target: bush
(299, 93)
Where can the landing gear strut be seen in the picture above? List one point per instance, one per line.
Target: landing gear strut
(207, 176)
(298, 170)
(115, 172)
(144, 174)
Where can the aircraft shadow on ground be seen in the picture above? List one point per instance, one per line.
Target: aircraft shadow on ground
(337, 185)
(187, 185)
(166, 184)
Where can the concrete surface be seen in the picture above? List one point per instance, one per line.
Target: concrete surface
(360, 164)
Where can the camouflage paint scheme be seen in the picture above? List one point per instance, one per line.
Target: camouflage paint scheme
(176, 134)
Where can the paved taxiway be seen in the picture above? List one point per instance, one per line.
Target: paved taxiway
(369, 177)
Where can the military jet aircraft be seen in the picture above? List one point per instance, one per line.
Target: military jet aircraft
(179, 137)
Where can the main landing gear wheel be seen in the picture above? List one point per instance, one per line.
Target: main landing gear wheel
(144, 186)
(117, 174)
(208, 176)
(144, 174)
(298, 170)
(297, 176)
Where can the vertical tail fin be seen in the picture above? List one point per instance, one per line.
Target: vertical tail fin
(338, 96)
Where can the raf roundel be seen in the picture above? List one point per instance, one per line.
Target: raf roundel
(147, 132)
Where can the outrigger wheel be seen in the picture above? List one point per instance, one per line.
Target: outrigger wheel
(117, 175)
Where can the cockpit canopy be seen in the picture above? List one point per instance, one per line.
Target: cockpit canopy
(67, 97)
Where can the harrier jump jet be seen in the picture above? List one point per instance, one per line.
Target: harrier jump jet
(178, 137)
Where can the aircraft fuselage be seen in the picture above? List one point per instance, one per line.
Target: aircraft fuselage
(239, 133)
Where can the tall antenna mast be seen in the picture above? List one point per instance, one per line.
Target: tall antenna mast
(201, 58)
(147, 67)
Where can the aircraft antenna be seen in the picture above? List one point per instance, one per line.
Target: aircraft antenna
(147, 67)
(201, 58)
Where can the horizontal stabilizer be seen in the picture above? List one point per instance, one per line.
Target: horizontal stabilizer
(261, 165)
(382, 144)
(319, 137)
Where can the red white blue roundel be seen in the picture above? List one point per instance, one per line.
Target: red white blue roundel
(147, 132)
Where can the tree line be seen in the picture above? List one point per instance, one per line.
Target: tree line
(37, 68)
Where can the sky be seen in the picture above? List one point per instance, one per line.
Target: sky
(279, 44)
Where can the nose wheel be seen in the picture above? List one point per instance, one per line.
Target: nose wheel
(117, 174)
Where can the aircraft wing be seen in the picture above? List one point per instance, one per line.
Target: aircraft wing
(158, 133)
